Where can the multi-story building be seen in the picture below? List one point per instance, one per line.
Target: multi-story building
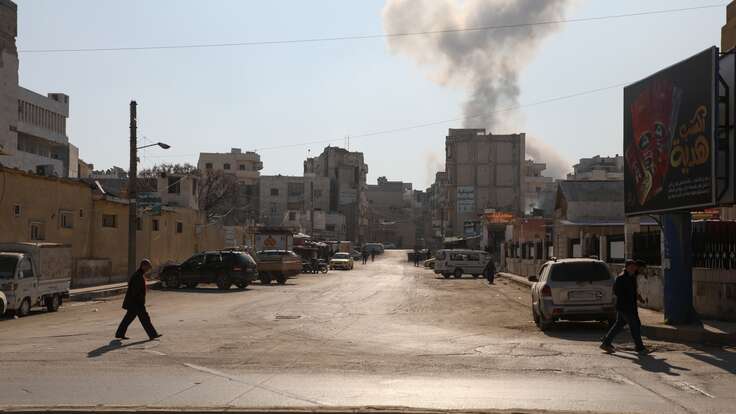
(437, 205)
(246, 166)
(242, 208)
(35, 136)
(288, 198)
(540, 191)
(598, 169)
(346, 172)
(391, 216)
(484, 171)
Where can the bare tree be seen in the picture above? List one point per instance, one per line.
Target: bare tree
(218, 194)
(175, 169)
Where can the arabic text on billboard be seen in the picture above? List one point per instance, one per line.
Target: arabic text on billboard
(465, 199)
(669, 138)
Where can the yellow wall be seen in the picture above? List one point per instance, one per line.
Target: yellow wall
(42, 198)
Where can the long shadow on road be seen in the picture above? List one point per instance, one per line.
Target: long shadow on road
(115, 344)
(578, 331)
(652, 364)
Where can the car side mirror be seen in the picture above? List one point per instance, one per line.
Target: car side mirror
(533, 279)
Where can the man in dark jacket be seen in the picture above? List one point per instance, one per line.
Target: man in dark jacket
(490, 270)
(627, 313)
(135, 303)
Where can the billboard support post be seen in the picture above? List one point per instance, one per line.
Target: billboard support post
(677, 267)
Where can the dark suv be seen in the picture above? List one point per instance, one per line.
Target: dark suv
(222, 267)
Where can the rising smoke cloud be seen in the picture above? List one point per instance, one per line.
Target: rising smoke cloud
(485, 62)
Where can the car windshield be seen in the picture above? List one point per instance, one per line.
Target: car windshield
(579, 272)
(7, 266)
(341, 256)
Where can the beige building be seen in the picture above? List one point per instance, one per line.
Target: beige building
(289, 201)
(35, 136)
(484, 171)
(61, 210)
(540, 191)
(246, 166)
(346, 172)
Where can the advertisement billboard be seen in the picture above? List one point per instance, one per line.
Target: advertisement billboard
(669, 138)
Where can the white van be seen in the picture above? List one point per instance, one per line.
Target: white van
(458, 262)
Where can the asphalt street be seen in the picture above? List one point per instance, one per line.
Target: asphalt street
(384, 334)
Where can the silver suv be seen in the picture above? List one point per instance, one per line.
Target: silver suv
(572, 289)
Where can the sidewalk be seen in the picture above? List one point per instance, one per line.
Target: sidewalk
(653, 326)
(102, 291)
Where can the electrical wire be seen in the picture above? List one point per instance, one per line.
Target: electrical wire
(368, 36)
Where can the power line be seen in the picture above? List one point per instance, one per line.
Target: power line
(429, 124)
(369, 36)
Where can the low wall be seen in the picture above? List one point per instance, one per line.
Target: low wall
(92, 272)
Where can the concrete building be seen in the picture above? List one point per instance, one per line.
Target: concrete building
(393, 209)
(540, 191)
(346, 172)
(178, 190)
(282, 196)
(35, 136)
(437, 206)
(598, 169)
(484, 171)
(246, 166)
(728, 32)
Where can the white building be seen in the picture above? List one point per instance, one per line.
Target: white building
(246, 166)
(598, 169)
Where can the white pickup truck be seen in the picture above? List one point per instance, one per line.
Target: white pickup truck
(34, 274)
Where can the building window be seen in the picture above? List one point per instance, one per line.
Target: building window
(81, 213)
(36, 230)
(138, 224)
(292, 215)
(179, 227)
(16, 210)
(208, 166)
(226, 166)
(174, 185)
(330, 227)
(241, 167)
(66, 219)
(274, 191)
(109, 220)
(154, 224)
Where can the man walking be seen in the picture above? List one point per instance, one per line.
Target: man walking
(490, 270)
(373, 255)
(627, 313)
(416, 257)
(135, 303)
(365, 256)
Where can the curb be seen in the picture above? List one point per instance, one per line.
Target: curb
(103, 292)
(515, 278)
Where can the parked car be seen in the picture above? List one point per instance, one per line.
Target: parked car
(341, 261)
(222, 267)
(277, 264)
(34, 274)
(389, 245)
(457, 262)
(356, 255)
(572, 289)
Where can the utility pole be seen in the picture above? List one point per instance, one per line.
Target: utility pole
(132, 184)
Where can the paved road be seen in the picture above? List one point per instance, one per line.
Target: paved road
(384, 334)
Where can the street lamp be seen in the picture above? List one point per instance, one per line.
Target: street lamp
(132, 186)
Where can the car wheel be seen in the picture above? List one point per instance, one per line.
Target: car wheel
(446, 275)
(223, 282)
(25, 308)
(281, 279)
(475, 276)
(265, 278)
(192, 285)
(171, 281)
(52, 305)
(241, 284)
(458, 273)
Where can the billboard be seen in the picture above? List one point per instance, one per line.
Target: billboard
(465, 199)
(669, 138)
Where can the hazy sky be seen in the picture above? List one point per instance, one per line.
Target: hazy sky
(263, 96)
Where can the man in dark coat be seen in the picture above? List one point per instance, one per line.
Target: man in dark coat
(135, 303)
(490, 270)
(627, 313)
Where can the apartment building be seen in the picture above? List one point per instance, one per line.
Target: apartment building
(484, 171)
(346, 172)
(598, 169)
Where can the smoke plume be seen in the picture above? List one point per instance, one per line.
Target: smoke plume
(485, 62)
(433, 162)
